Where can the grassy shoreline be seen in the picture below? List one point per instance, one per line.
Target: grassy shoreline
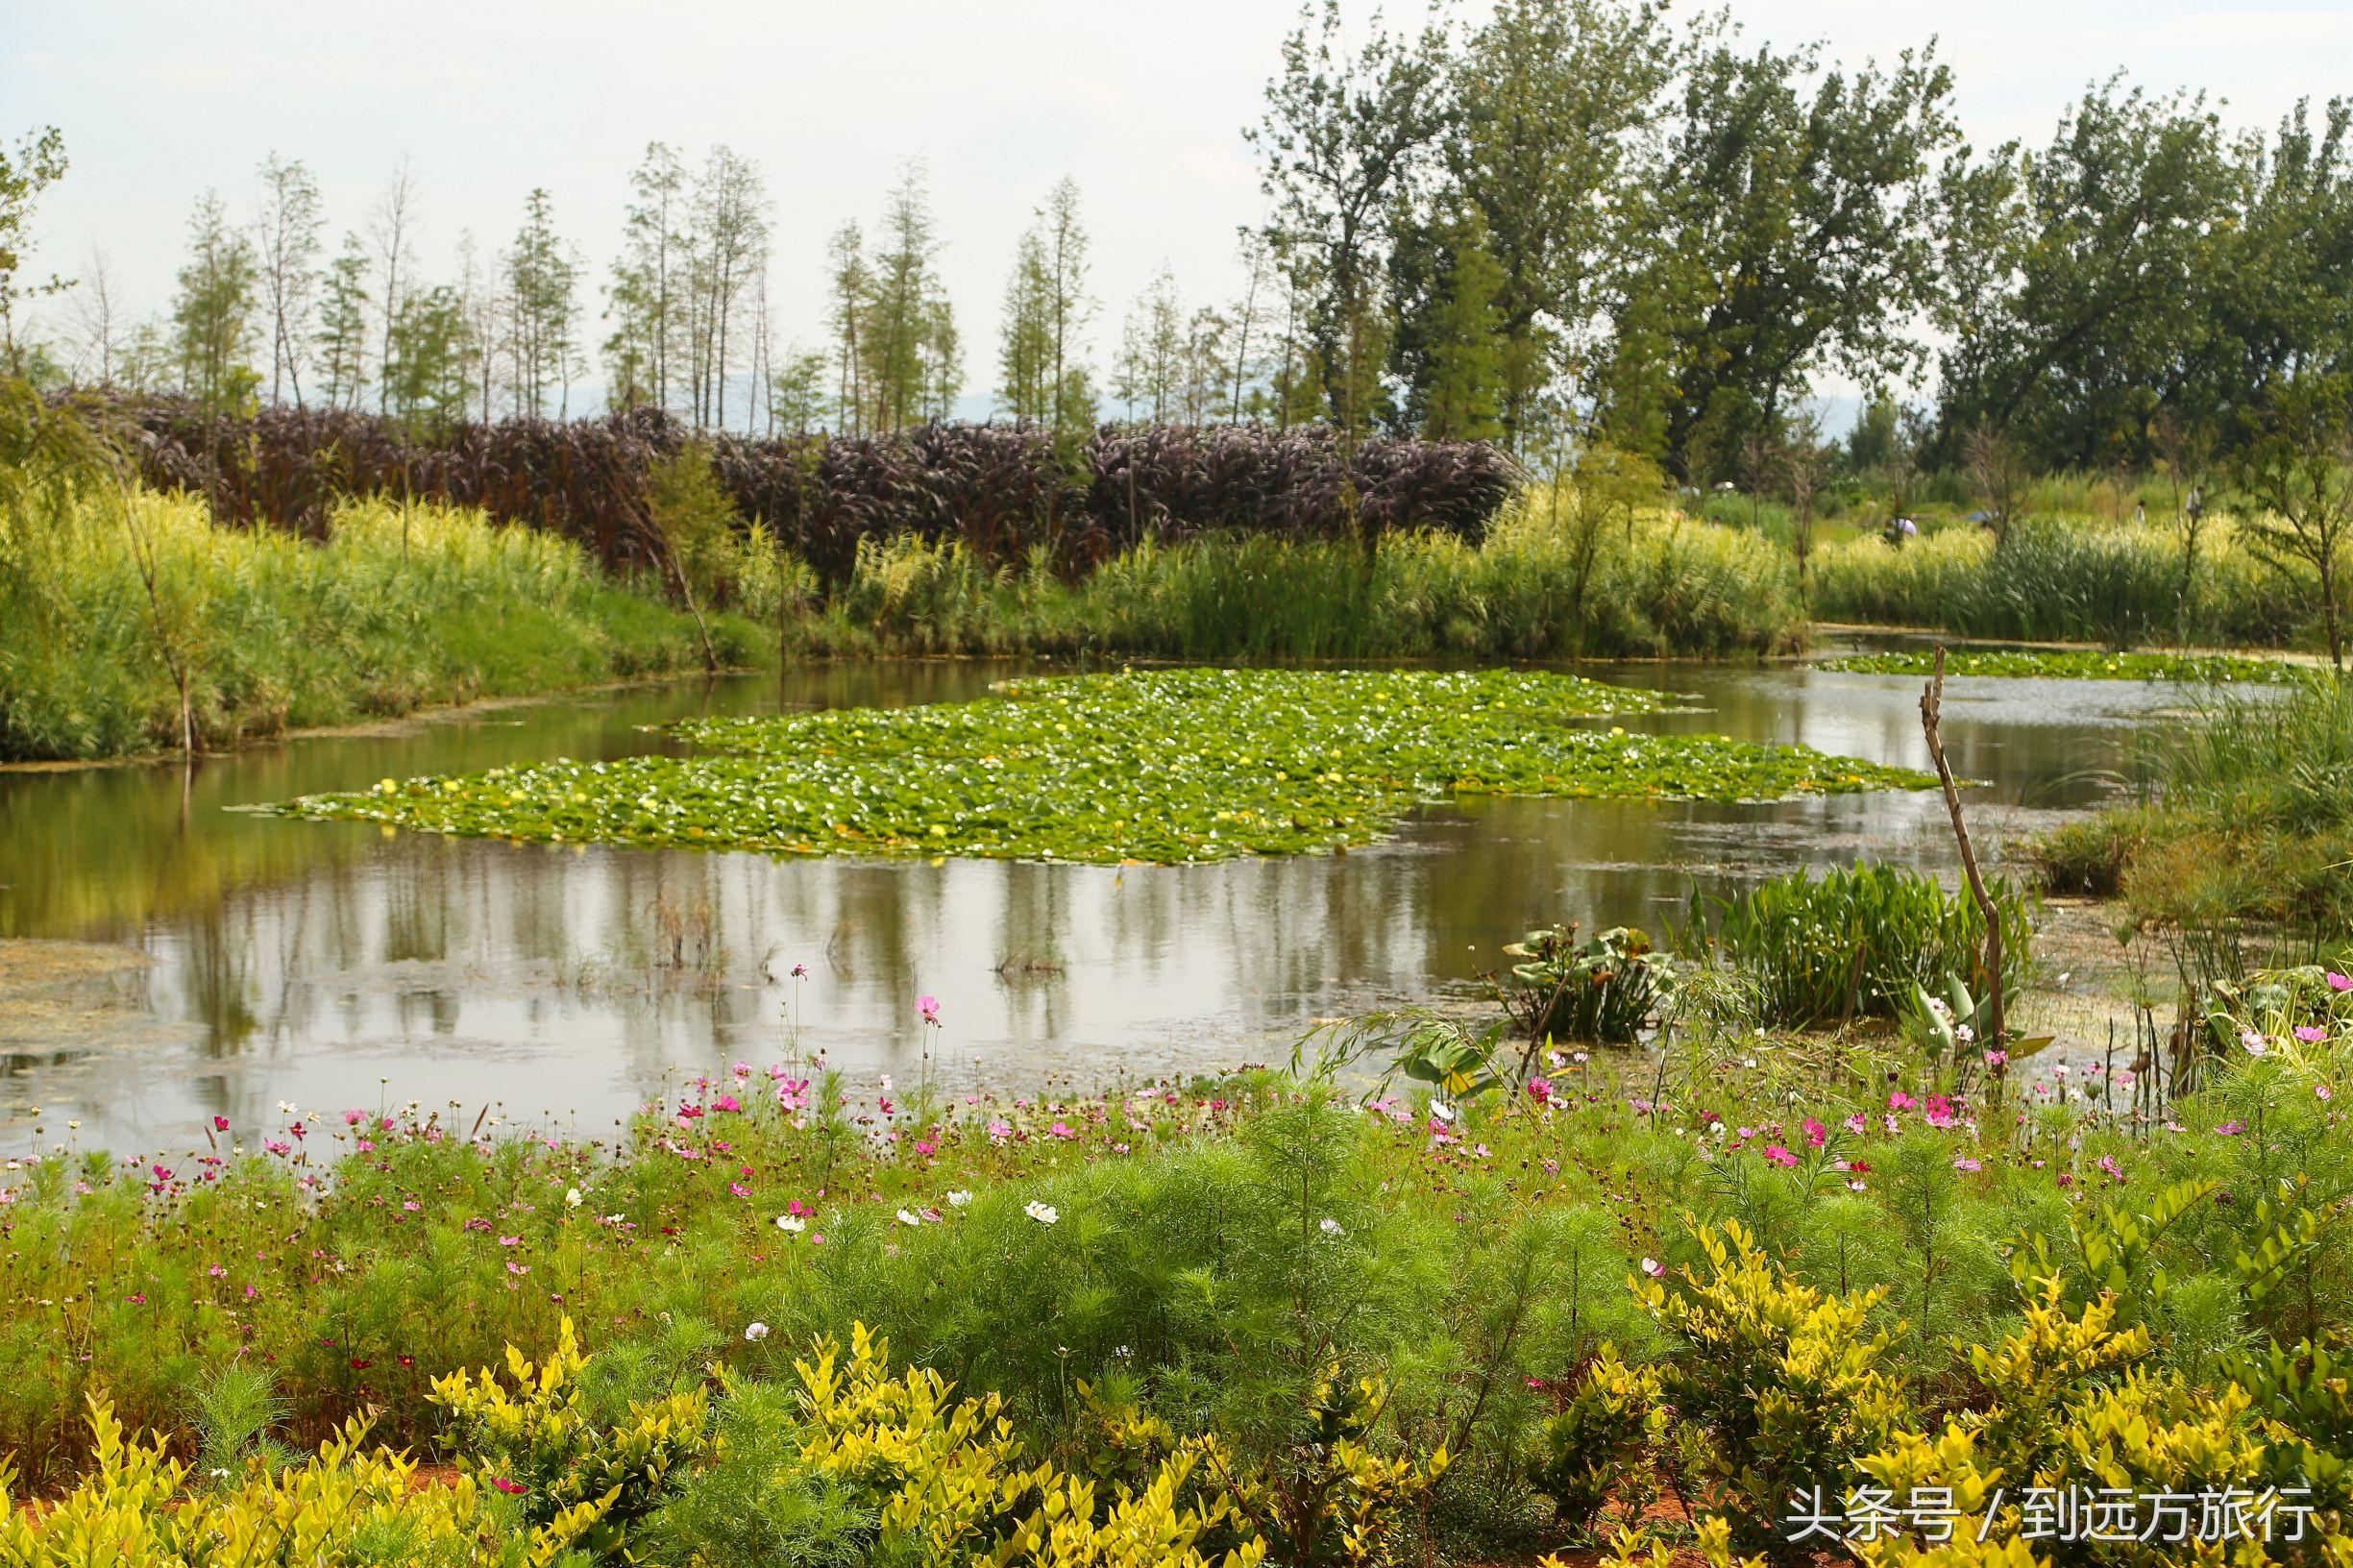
(1200, 1269)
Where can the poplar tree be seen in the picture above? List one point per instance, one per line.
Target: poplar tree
(392, 230)
(287, 232)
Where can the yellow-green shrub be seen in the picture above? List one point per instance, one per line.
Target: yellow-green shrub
(541, 1438)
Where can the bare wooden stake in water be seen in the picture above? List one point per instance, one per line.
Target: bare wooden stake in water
(1931, 717)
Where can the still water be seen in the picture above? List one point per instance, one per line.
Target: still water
(244, 960)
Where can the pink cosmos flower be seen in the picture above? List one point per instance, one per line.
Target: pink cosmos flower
(1816, 1134)
(2311, 1034)
(929, 1008)
(1778, 1155)
(2338, 982)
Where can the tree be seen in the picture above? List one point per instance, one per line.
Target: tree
(1342, 135)
(2185, 451)
(32, 166)
(644, 280)
(343, 325)
(1152, 352)
(2078, 278)
(905, 312)
(97, 311)
(730, 251)
(212, 315)
(428, 380)
(1025, 351)
(1460, 381)
(849, 281)
(1998, 474)
(542, 283)
(1070, 308)
(796, 400)
(1556, 105)
(1787, 234)
(288, 233)
(392, 230)
(1805, 465)
(2296, 469)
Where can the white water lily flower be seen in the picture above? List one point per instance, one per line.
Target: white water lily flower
(1044, 1214)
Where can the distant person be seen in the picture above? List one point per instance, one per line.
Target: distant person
(2195, 505)
(1899, 529)
(2140, 513)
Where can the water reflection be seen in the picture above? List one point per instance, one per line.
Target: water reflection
(333, 964)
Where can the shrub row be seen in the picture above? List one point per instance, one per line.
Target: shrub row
(1005, 494)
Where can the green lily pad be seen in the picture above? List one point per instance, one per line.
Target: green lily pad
(1166, 765)
(2075, 664)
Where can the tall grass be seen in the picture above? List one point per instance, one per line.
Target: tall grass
(398, 608)
(2070, 581)
(1665, 587)
(2244, 812)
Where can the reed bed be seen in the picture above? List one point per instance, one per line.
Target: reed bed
(396, 607)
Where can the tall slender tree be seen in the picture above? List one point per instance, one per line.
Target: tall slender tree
(392, 229)
(343, 325)
(286, 231)
(212, 314)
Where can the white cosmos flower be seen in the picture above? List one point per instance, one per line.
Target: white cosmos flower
(1044, 1214)
(755, 1332)
(1441, 1109)
(791, 1223)
(959, 1198)
(1332, 1227)
(908, 1216)
(572, 1197)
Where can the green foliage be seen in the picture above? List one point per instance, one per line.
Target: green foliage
(400, 607)
(2245, 811)
(1865, 941)
(538, 1442)
(2076, 664)
(1167, 766)
(2115, 584)
(1606, 989)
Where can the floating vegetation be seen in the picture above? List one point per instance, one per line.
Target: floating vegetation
(1164, 766)
(2076, 664)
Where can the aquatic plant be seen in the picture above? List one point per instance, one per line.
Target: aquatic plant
(2076, 664)
(1861, 943)
(1164, 766)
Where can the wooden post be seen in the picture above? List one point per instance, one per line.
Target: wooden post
(1932, 718)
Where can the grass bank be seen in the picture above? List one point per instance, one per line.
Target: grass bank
(398, 608)
(2244, 812)
(2117, 584)
(1240, 1317)
(1528, 591)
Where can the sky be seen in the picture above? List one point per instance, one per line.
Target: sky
(1143, 103)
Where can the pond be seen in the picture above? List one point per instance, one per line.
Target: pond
(187, 961)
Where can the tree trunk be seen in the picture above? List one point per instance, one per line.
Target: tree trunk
(1931, 721)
